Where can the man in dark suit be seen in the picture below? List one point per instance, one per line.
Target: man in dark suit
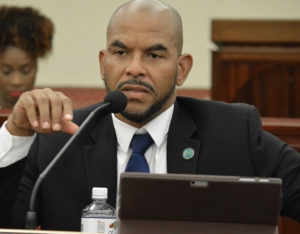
(143, 59)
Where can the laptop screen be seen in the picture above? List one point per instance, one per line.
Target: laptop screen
(200, 198)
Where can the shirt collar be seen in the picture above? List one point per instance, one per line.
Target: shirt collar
(157, 128)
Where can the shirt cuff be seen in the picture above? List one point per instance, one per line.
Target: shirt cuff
(13, 148)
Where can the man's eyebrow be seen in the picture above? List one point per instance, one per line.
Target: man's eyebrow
(117, 43)
(120, 44)
(157, 47)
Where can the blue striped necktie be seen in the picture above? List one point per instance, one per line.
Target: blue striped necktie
(137, 161)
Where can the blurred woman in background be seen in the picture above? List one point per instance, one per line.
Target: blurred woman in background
(25, 36)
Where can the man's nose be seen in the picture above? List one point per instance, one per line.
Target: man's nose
(136, 67)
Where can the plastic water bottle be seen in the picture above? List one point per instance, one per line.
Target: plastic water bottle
(99, 216)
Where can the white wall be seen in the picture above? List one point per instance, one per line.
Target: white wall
(81, 24)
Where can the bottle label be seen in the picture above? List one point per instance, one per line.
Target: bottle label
(99, 225)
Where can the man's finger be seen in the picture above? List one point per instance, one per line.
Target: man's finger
(25, 111)
(43, 108)
(67, 107)
(69, 127)
(56, 108)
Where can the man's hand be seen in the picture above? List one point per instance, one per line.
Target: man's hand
(43, 111)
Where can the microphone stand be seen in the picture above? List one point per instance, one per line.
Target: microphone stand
(31, 222)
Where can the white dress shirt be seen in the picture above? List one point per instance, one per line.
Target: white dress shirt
(13, 148)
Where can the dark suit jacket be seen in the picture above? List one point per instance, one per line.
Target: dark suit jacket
(227, 139)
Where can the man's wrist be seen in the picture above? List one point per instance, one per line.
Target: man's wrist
(14, 130)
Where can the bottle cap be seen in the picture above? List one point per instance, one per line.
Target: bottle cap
(99, 193)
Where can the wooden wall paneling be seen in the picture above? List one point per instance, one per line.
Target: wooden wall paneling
(270, 89)
(240, 31)
(219, 87)
(271, 50)
(296, 91)
(269, 83)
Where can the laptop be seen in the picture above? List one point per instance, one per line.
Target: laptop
(184, 203)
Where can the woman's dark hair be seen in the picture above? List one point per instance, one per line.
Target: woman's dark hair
(25, 28)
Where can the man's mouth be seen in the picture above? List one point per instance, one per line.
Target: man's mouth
(136, 85)
(135, 88)
(135, 91)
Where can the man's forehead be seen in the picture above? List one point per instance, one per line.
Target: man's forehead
(142, 20)
(149, 32)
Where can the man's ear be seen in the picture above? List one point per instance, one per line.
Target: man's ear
(185, 64)
(101, 56)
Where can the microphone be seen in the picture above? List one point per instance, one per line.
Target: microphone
(114, 102)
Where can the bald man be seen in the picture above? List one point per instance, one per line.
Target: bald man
(143, 59)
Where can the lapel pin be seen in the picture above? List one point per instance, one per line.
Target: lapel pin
(188, 153)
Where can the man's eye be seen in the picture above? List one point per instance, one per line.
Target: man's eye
(155, 56)
(119, 52)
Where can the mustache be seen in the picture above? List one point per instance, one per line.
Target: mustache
(137, 82)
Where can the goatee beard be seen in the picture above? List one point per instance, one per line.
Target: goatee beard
(154, 109)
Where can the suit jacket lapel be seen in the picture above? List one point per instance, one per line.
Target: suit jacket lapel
(180, 143)
(100, 158)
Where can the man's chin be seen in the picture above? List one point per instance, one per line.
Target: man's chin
(136, 109)
(135, 116)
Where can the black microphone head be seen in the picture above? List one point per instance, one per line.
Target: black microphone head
(117, 99)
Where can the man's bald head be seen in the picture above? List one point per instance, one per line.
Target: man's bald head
(152, 7)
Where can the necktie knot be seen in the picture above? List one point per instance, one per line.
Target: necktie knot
(137, 161)
(140, 143)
